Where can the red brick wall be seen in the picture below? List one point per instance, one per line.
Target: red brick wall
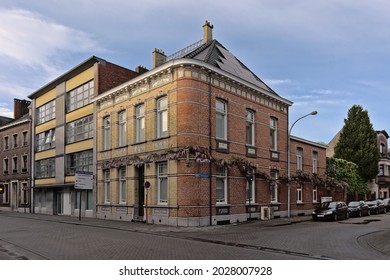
(112, 75)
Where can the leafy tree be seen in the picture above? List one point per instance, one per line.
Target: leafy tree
(345, 173)
(358, 143)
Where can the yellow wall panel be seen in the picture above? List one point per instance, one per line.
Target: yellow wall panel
(80, 79)
(79, 113)
(70, 179)
(45, 126)
(45, 154)
(50, 95)
(79, 146)
(48, 181)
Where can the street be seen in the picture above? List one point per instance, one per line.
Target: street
(41, 237)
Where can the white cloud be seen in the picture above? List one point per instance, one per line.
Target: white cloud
(273, 82)
(32, 40)
(5, 111)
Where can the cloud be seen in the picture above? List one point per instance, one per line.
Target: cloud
(273, 82)
(33, 40)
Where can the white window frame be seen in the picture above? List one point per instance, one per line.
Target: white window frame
(162, 182)
(122, 129)
(107, 186)
(299, 193)
(221, 120)
(162, 117)
(274, 186)
(221, 177)
(250, 128)
(23, 193)
(315, 194)
(46, 112)
(6, 166)
(106, 133)
(315, 162)
(299, 155)
(140, 123)
(250, 186)
(274, 134)
(15, 164)
(122, 185)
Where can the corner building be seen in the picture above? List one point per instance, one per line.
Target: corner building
(63, 129)
(204, 131)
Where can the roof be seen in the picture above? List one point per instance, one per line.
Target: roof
(215, 54)
(24, 119)
(66, 76)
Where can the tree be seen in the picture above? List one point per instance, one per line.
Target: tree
(345, 173)
(358, 143)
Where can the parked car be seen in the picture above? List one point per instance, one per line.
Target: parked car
(358, 208)
(386, 202)
(376, 206)
(331, 210)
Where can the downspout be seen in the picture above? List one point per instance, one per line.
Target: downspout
(210, 150)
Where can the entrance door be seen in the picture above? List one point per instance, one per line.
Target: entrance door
(141, 191)
(57, 202)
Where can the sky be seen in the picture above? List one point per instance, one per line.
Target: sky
(323, 55)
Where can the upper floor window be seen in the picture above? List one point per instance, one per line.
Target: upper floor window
(6, 142)
(24, 138)
(221, 120)
(45, 140)
(274, 133)
(46, 112)
(250, 128)
(299, 159)
(45, 168)
(24, 163)
(14, 164)
(382, 149)
(315, 162)
(80, 129)
(122, 134)
(81, 161)
(15, 138)
(79, 96)
(381, 170)
(140, 123)
(106, 133)
(162, 117)
(6, 166)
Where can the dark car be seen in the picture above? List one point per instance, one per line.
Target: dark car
(358, 208)
(331, 210)
(376, 206)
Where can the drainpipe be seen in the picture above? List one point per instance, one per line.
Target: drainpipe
(210, 149)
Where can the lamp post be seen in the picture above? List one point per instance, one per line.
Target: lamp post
(289, 162)
(249, 178)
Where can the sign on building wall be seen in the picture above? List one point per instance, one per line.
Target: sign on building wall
(84, 181)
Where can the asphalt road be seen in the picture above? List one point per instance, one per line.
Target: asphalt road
(41, 237)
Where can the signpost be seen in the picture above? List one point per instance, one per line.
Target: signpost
(146, 186)
(84, 181)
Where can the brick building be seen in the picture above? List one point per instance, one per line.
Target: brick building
(63, 135)
(207, 135)
(14, 160)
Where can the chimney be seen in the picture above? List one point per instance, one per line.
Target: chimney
(20, 108)
(207, 32)
(158, 58)
(141, 69)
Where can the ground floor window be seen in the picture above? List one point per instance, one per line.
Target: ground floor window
(6, 194)
(299, 193)
(89, 200)
(314, 194)
(221, 188)
(162, 182)
(274, 185)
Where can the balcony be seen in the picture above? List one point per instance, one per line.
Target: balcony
(383, 179)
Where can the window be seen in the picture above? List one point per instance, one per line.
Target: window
(45, 168)
(140, 123)
(77, 162)
(79, 97)
(24, 138)
(382, 149)
(122, 136)
(24, 193)
(24, 163)
(162, 182)
(250, 128)
(274, 185)
(89, 199)
(315, 162)
(381, 170)
(6, 142)
(80, 129)
(122, 184)
(250, 190)
(15, 138)
(162, 117)
(106, 133)
(46, 112)
(15, 165)
(314, 194)
(6, 166)
(45, 140)
(221, 187)
(274, 133)
(107, 181)
(299, 193)
(6, 194)
(299, 159)
(221, 120)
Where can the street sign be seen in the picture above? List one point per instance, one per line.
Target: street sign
(202, 175)
(84, 181)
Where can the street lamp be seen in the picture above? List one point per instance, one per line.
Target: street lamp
(289, 162)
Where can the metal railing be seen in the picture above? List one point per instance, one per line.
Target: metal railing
(185, 51)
